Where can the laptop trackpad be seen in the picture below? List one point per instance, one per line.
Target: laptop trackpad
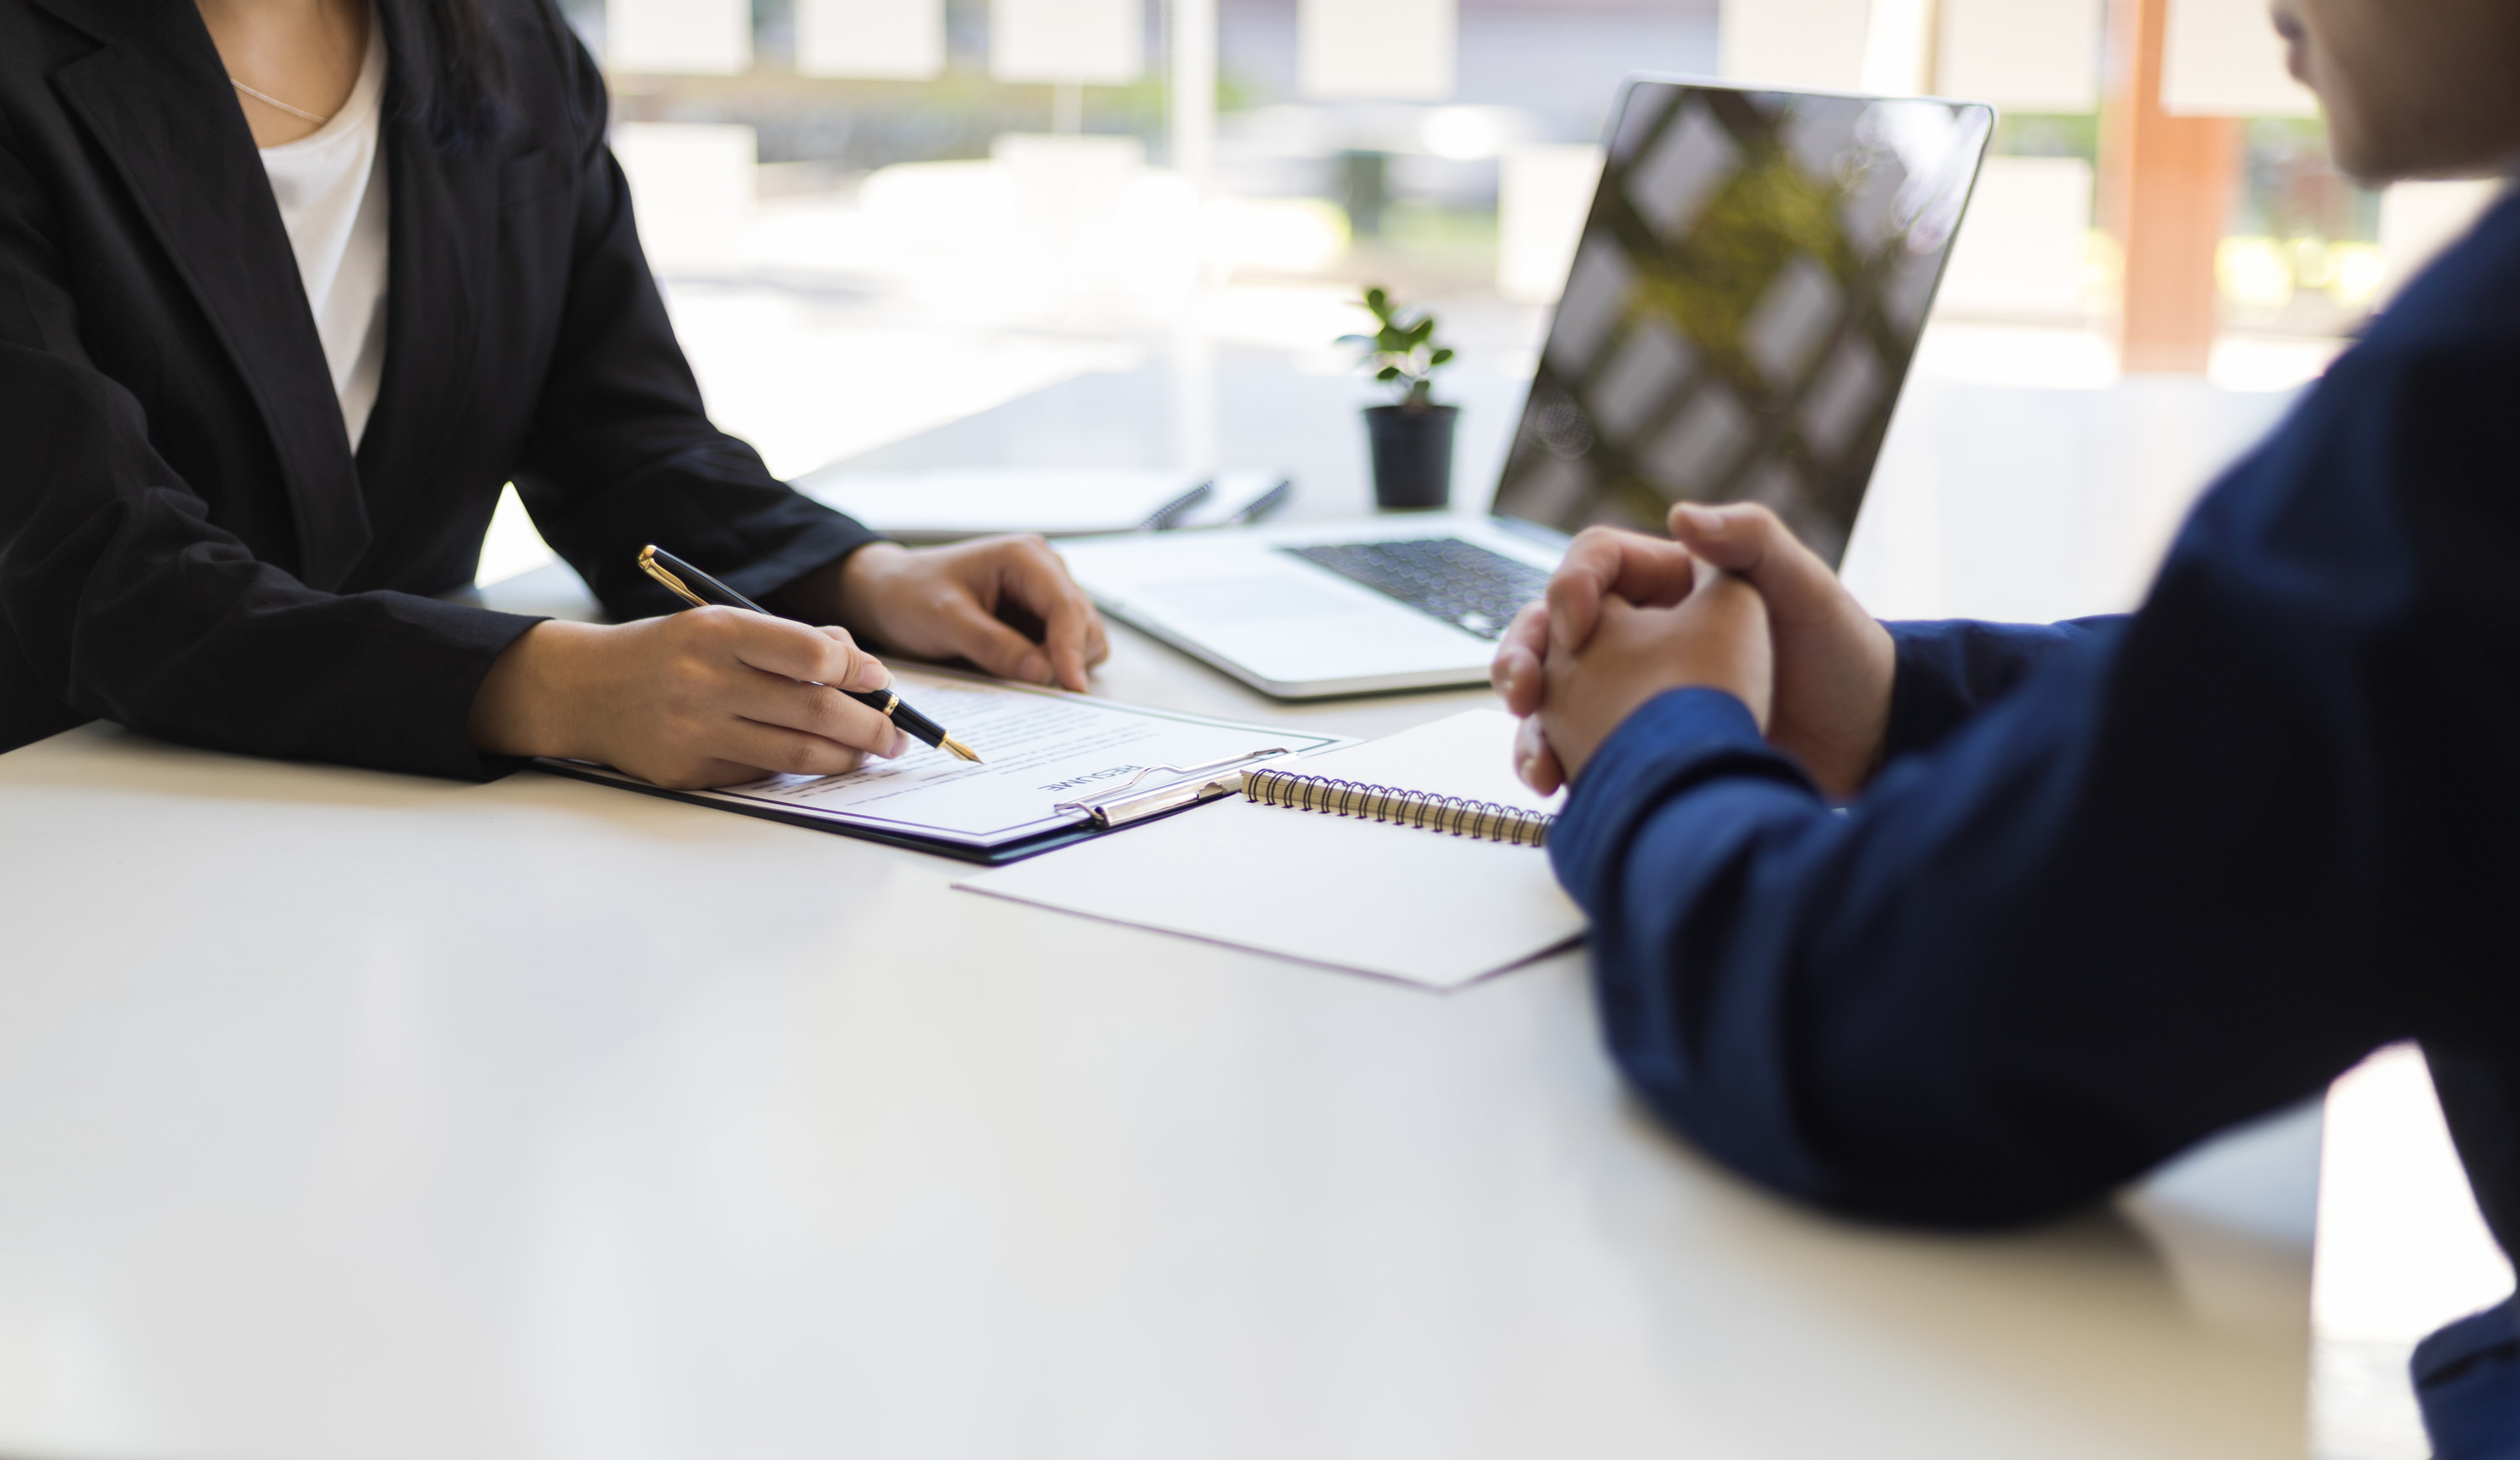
(1258, 598)
(1288, 628)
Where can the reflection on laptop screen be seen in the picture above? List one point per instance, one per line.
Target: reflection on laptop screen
(1743, 307)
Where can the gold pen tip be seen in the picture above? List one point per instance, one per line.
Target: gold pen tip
(958, 748)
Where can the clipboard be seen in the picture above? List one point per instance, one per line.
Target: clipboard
(1125, 811)
(1074, 768)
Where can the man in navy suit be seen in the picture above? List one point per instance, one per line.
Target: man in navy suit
(2100, 889)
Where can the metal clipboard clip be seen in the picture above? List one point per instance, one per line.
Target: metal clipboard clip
(1123, 804)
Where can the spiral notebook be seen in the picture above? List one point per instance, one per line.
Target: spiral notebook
(1419, 810)
(1416, 858)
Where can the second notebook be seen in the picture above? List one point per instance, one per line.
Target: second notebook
(1352, 893)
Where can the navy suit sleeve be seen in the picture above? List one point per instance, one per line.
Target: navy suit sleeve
(2180, 870)
(1949, 670)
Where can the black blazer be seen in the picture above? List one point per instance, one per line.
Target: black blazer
(188, 545)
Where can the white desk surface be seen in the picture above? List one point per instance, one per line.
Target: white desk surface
(345, 1115)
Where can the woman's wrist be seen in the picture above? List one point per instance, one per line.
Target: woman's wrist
(838, 592)
(522, 707)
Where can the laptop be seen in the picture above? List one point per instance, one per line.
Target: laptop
(1738, 323)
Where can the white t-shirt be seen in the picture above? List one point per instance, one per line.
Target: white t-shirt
(332, 192)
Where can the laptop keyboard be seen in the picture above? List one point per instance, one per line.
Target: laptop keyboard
(1460, 582)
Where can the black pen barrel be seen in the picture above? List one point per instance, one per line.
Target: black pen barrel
(685, 576)
(885, 702)
(920, 727)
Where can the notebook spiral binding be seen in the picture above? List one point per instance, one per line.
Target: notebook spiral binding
(1458, 815)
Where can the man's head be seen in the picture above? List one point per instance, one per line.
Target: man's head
(2414, 88)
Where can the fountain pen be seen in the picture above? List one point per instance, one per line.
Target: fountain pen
(699, 590)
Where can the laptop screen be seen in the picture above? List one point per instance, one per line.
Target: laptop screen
(1743, 307)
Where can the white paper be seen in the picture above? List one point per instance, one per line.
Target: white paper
(937, 506)
(1038, 748)
(679, 37)
(1405, 49)
(2222, 58)
(898, 40)
(1369, 896)
(1819, 44)
(1898, 46)
(1077, 42)
(2022, 55)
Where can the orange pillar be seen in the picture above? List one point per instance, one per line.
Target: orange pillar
(2165, 190)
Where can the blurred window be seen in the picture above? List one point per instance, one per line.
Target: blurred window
(816, 171)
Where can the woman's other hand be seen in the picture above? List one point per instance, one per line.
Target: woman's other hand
(711, 696)
(1006, 603)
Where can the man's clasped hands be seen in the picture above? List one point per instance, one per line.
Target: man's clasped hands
(1735, 603)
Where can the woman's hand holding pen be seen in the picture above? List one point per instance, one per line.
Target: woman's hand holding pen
(711, 696)
(718, 696)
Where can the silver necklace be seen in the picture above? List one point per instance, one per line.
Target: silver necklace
(273, 101)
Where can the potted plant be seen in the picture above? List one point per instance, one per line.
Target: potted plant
(1413, 437)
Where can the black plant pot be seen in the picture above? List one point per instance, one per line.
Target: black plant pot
(1413, 454)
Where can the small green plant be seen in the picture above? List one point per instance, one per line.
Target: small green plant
(1402, 351)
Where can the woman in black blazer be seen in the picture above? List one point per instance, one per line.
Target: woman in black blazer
(191, 546)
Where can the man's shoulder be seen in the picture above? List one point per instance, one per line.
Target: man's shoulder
(2469, 295)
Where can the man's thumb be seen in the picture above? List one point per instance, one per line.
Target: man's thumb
(1731, 538)
(1747, 540)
